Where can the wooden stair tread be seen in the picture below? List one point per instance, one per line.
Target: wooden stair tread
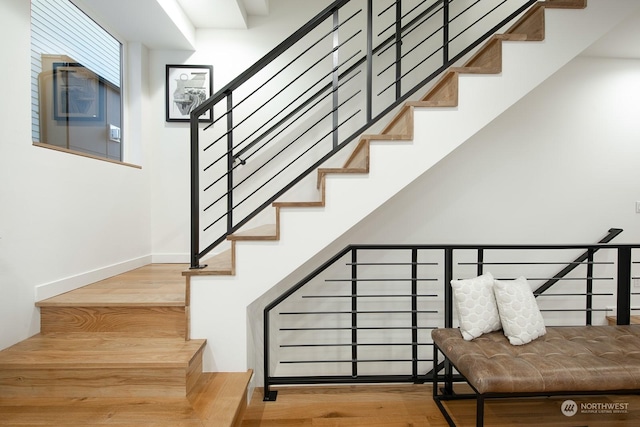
(307, 204)
(98, 350)
(218, 265)
(566, 4)
(263, 232)
(150, 285)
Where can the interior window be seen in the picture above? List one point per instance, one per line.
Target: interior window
(76, 101)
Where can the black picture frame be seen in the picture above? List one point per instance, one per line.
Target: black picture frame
(78, 93)
(187, 86)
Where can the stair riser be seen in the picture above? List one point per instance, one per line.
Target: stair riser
(136, 321)
(99, 382)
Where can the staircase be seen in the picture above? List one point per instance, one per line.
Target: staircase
(118, 352)
(423, 132)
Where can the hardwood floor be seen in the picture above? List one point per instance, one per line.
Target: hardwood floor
(215, 402)
(412, 405)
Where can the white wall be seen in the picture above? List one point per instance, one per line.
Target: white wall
(558, 167)
(65, 220)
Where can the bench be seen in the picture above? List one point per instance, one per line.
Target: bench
(593, 360)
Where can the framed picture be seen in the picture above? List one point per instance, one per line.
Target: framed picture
(78, 93)
(187, 87)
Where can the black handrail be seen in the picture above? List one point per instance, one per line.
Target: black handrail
(612, 234)
(453, 261)
(240, 191)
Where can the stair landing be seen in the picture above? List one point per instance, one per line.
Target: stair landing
(153, 284)
(117, 352)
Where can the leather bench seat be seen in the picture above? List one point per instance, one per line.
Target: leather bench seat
(572, 359)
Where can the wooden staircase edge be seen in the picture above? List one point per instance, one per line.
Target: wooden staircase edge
(487, 60)
(221, 398)
(565, 4)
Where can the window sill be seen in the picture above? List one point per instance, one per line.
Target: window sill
(78, 153)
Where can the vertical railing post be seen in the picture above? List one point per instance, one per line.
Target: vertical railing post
(480, 266)
(414, 312)
(448, 312)
(336, 76)
(268, 396)
(448, 294)
(445, 32)
(230, 161)
(354, 312)
(195, 193)
(369, 60)
(623, 314)
(589, 290)
(398, 49)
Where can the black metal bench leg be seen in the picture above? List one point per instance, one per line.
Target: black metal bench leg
(480, 411)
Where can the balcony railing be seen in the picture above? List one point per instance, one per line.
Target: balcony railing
(366, 314)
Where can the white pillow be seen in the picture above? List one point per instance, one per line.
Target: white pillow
(521, 318)
(476, 306)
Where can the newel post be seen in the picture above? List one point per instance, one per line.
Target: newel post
(623, 314)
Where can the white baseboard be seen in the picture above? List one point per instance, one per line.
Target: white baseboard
(67, 284)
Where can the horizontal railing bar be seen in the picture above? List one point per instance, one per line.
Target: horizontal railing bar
(575, 309)
(410, 279)
(356, 361)
(362, 328)
(545, 294)
(391, 263)
(537, 263)
(517, 247)
(342, 379)
(372, 296)
(399, 344)
(563, 278)
(298, 313)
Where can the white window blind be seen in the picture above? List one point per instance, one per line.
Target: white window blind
(59, 28)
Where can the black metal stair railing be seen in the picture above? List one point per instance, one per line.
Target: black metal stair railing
(317, 91)
(366, 314)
